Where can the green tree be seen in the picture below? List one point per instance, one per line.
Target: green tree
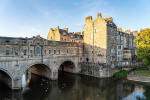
(143, 46)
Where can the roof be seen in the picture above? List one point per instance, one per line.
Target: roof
(10, 38)
(63, 32)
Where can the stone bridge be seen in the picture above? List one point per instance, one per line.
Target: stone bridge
(36, 55)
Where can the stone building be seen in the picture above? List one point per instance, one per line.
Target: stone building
(103, 43)
(100, 40)
(36, 55)
(64, 36)
(126, 47)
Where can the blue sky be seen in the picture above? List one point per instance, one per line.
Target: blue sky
(25, 18)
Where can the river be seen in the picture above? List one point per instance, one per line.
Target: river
(77, 87)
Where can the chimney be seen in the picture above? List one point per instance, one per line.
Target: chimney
(89, 18)
(128, 31)
(66, 29)
(72, 32)
(82, 32)
(57, 28)
(51, 29)
(120, 29)
(99, 15)
(79, 33)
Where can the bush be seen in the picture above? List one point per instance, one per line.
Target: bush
(121, 74)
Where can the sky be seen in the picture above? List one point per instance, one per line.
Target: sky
(27, 18)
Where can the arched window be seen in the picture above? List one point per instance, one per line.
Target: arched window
(16, 52)
(50, 51)
(38, 49)
(54, 51)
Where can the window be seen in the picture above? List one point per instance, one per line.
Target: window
(111, 58)
(67, 51)
(95, 30)
(54, 51)
(91, 36)
(25, 52)
(119, 58)
(7, 52)
(7, 41)
(16, 52)
(59, 51)
(38, 49)
(119, 52)
(119, 47)
(45, 52)
(112, 50)
(31, 52)
(17, 67)
(112, 40)
(50, 51)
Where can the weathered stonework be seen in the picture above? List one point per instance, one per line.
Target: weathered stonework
(64, 36)
(19, 55)
(100, 33)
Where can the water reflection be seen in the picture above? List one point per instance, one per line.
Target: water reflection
(77, 87)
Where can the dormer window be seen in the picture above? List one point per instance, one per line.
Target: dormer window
(64, 32)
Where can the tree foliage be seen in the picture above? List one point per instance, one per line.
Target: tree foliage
(143, 46)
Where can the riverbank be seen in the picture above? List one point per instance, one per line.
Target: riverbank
(140, 76)
(121, 74)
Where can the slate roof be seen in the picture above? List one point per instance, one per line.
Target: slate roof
(61, 31)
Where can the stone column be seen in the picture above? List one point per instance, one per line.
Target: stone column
(54, 75)
(17, 83)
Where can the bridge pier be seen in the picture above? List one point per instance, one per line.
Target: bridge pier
(54, 75)
(17, 83)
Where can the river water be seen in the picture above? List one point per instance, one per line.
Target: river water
(77, 87)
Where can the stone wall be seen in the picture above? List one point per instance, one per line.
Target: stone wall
(96, 70)
(139, 78)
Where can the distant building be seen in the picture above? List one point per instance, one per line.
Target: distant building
(64, 36)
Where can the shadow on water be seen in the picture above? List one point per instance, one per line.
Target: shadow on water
(38, 88)
(77, 87)
(65, 80)
(5, 91)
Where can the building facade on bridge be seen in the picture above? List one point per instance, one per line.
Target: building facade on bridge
(36, 55)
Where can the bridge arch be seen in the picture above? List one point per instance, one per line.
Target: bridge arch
(40, 69)
(67, 66)
(6, 77)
